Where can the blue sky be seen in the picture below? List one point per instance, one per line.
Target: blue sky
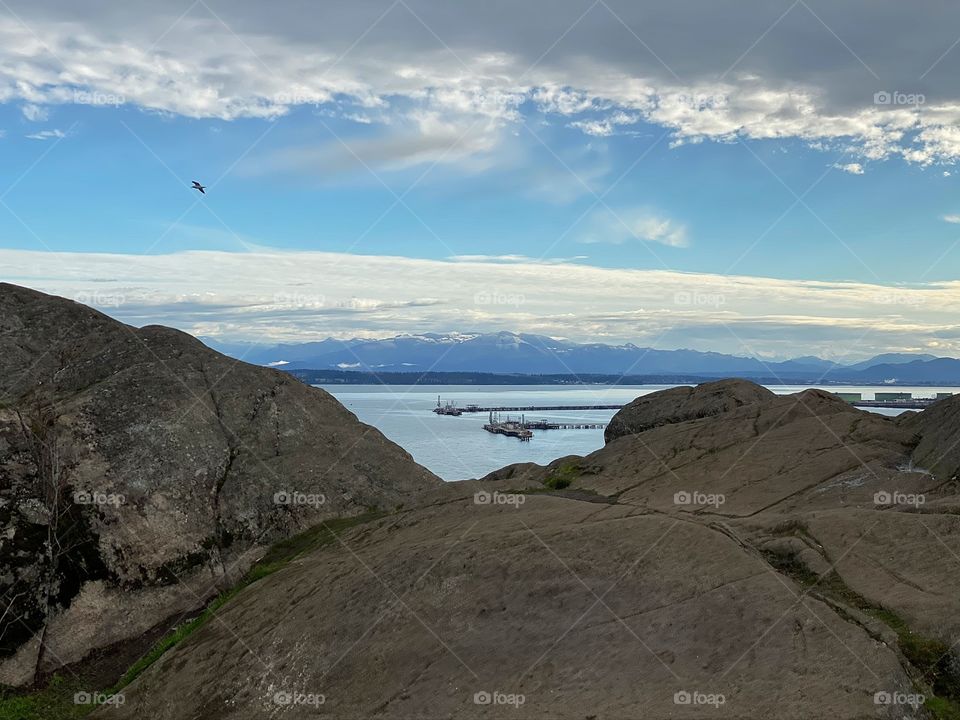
(600, 137)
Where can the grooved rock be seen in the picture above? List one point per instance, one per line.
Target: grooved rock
(140, 471)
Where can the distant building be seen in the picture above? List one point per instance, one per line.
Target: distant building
(892, 396)
(850, 396)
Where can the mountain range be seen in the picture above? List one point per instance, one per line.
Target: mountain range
(521, 353)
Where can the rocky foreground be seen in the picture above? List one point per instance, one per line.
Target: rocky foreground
(729, 553)
(142, 472)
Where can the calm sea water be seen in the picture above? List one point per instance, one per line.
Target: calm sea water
(457, 448)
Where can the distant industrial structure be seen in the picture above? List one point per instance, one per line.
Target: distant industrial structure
(522, 430)
(900, 400)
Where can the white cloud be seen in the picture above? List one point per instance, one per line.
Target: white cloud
(611, 225)
(852, 168)
(954, 219)
(300, 296)
(46, 135)
(34, 113)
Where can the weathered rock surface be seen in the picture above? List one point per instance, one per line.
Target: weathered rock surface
(140, 471)
(788, 554)
(683, 403)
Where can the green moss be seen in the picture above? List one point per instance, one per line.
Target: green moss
(942, 709)
(56, 700)
(929, 656)
(789, 564)
(563, 476)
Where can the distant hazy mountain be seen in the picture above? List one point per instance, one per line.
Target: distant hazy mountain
(945, 371)
(506, 352)
(890, 359)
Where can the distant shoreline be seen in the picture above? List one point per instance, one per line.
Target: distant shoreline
(354, 377)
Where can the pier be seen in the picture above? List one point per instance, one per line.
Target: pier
(452, 409)
(522, 429)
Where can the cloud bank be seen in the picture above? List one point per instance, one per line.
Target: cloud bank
(877, 79)
(302, 296)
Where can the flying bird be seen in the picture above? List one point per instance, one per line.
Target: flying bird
(198, 186)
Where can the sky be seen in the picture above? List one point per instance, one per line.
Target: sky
(767, 178)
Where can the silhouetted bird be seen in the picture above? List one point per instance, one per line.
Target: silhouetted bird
(198, 186)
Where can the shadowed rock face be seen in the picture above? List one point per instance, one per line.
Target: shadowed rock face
(823, 571)
(140, 471)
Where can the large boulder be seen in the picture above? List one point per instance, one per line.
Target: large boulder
(684, 403)
(140, 471)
